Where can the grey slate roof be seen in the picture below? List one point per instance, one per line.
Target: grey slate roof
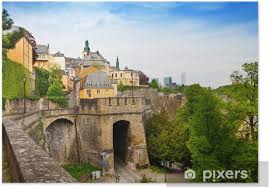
(58, 54)
(97, 80)
(42, 49)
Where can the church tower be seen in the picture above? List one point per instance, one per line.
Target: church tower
(86, 50)
(117, 63)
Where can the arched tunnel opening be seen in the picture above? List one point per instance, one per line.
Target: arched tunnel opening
(121, 142)
(60, 139)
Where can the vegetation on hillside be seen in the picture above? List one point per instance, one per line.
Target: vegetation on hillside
(207, 130)
(12, 80)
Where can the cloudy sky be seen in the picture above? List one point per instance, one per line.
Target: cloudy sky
(207, 41)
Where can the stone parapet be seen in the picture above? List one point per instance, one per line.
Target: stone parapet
(113, 105)
(27, 161)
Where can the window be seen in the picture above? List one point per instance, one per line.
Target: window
(98, 91)
(131, 74)
(89, 92)
(120, 74)
(112, 75)
(106, 84)
(115, 74)
(89, 84)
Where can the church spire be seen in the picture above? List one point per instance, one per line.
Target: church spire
(86, 48)
(117, 63)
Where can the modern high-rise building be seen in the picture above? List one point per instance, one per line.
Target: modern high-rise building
(183, 78)
(167, 81)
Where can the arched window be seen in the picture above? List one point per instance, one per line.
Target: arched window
(89, 84)
(106, 84)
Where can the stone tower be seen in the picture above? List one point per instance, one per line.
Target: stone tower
(86, 50)
(117, 63)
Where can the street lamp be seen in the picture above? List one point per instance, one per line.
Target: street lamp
(24, 94)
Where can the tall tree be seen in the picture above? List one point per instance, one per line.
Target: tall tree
(55, 73)
(243, 103)
(166, 139)
(210, 141)
(42, 81)
(154, 84)
(7, 22)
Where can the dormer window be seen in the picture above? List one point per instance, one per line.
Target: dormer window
(106, 84)
(89, 84)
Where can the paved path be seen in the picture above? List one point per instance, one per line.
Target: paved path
(126, 175)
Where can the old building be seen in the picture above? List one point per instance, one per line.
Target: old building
(59, 59)
(70, 65)
(43, 57)
(97, 85)
(143, 79)
(90, 58)
(126, 77)
(24, 52)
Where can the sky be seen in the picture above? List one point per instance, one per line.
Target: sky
(207, 41)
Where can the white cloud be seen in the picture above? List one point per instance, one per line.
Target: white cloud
(208, 55)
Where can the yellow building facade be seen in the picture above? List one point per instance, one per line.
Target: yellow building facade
(127, 77)
(97, 85)
(22, 53)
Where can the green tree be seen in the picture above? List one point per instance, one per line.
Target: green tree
(211, 142)
(154, 84)
(55, 73)
(42, 81)
(243, 98)
(56, 94)
(166, 139)
(7, 22)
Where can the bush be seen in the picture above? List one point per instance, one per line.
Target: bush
(56, 94)
(78, 170)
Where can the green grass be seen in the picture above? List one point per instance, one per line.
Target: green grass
(78, 170)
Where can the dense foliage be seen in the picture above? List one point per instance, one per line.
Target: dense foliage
(166, 138)
(154, 84)
(12, 79)
(42, 81)
(56, 94)
(213, 130)
(55, 73)
(6, 20)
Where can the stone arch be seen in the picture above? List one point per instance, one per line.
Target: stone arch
(47, 121)
(121, 141)
(60, 137)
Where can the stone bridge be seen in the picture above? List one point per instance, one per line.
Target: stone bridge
(98, 131)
